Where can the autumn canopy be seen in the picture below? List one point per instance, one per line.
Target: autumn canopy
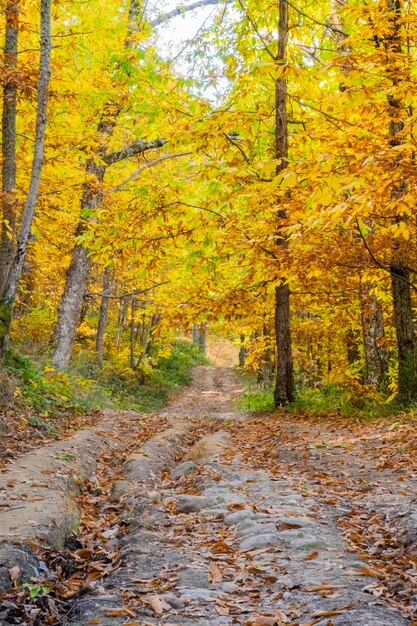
(261, 180)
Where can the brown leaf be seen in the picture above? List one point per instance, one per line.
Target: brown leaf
(14, 573)
(214, 573)
(115, 612)
(322, 587)
(367, 570)
(332, 612)
(158, 604)
(311, 556)
(261, 621)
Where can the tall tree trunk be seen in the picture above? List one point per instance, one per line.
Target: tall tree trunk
(266, 364)
(77, 275)
(406, 340)
(352, 348)
(242, 351)
(10, 289)
(132, 362)
(376, 357)
(195, 334)
(8, 167)
(202, 337)
(121, 322)
(403, 312)
(156, 318)
(284, 387)
(96, 166)
(103, 315)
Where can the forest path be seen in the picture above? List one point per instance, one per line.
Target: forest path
(247, 526)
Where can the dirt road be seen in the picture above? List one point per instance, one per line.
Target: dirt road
(202, 516)
(239, 531)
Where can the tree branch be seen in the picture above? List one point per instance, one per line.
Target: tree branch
(165, 157)
(135, 292)
(313, 19)
(378, 263)
(161, 19)
(137, 147)
(257, 31)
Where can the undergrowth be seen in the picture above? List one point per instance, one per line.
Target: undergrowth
(324, 400)
(47, 394)
(117, 386)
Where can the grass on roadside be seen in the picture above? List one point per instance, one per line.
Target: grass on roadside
(50, 394)
(328, 399)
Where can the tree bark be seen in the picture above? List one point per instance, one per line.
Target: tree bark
(96, 166)
(195, 334)
(132, 362)
(242, 351)
(76, 280)
(284, 387)
(376, 357)
(8, 168)
(121, 322)
(352, 348)
(18, 259)
(403, 311)
(202, 337)
(406, 340)
(103, 316)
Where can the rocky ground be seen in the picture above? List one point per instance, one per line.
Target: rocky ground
(215, 518)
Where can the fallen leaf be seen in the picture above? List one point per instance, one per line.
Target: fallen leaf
(214, 573)
(158, 604)
(261, 621)
(14, 573)
(311, 556)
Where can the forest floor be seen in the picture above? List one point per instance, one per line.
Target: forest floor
(204, 516)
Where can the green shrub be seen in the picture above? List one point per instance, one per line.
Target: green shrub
(256, 401)
(48, 393)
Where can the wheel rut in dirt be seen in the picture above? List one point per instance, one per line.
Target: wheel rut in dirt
(227, 536)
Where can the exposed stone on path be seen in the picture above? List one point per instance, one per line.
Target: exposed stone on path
(232, 542)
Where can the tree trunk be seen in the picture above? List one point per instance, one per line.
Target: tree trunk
(8, 168)
(77, 275)
(376, 357)
(102, 320)
(132, 333)
(121, 322)
(156, 318)
(202, 337)
(400, 276)
(10, 289)
(284, 388)
(406, 341)
(242, 351)
(352, 348)
(195, 334)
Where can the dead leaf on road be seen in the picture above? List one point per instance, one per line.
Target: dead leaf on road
(158, 604)
(14, 573)
(214, 573)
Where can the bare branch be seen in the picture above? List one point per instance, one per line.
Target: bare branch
(137, 147)
(134, 292)
(313, 19)
(256, 29)
(378, 263)
(165, 17)
(134, 175)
